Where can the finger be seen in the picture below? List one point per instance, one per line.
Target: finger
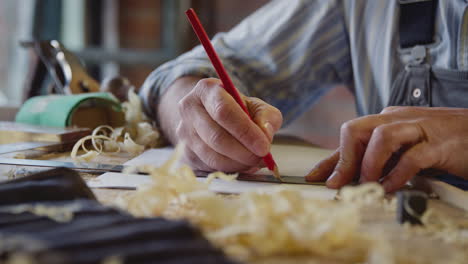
(353, 140)
(221, 141)
(354, 137)
(410, 112)
(420, 156)
(191, 159)
(193, 113)
(197, 159)
(225, 111)
(324, 168)
(386, 140)
(213, 159)
(266, 116)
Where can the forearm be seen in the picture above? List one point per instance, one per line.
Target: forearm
(167, 110)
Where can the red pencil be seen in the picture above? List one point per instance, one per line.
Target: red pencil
(225, 79)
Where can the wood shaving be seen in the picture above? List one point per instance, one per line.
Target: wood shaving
(130, 146)
(278, 221)
(134, 138)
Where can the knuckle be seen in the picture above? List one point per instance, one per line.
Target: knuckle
(211, 160)
(350, 127)
(205, 85)
(221, 110)
(216, 137)
(398, 109)
(245, 133)
(383, 134)
(390, 109)
(185, 105)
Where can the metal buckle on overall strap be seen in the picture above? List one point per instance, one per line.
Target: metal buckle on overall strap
(416, 30)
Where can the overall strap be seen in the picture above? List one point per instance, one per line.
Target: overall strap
(416, 25)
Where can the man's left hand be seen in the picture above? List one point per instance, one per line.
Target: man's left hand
(409, 139)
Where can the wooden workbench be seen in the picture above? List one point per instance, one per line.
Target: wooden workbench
(374, 220)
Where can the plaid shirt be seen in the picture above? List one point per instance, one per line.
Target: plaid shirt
(290, 52)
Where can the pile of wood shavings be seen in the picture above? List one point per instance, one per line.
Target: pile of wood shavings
(280, 221)
(134, 138)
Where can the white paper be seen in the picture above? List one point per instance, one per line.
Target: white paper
(291, 160)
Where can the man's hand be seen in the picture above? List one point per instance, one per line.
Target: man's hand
(395, 145)
(218, 135)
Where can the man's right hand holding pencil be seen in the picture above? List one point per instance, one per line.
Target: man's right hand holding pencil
(218, 135)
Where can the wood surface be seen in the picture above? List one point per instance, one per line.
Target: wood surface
(374, 220)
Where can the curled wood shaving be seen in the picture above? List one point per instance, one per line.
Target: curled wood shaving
(137, 135)
(81, 144)
(130, 146)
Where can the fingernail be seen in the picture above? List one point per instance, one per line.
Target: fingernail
(312, 174)
(332, 179)
(269, 129)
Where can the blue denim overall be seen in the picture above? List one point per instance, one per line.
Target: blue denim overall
(420, 84)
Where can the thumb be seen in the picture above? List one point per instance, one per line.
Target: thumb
(266, 116)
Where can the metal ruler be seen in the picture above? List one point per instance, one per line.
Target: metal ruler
(119, 168)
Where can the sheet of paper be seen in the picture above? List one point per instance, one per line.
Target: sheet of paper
(291, 160)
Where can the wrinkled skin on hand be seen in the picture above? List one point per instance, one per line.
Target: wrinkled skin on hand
(218, 135)
(422, 137)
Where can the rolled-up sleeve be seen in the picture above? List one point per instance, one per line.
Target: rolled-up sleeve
(287, 53)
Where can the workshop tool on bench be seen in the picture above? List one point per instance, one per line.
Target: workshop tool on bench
(411, 206)
(53, 218)
(67, 72)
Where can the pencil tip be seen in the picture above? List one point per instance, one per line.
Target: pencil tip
(276, 173)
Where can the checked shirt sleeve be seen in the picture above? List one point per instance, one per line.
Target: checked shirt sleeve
(287, 53)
